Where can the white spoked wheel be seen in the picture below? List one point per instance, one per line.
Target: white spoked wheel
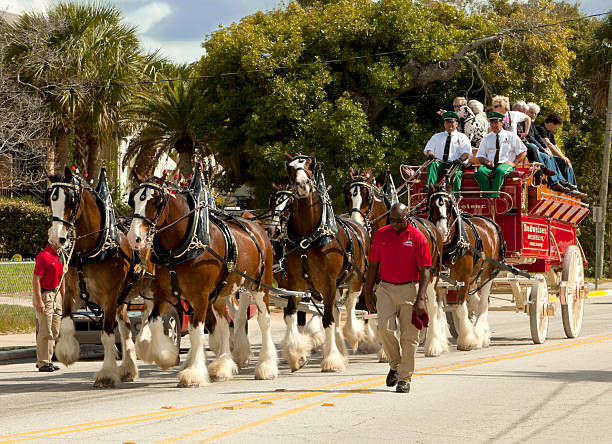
(573, 278)
(538, 309)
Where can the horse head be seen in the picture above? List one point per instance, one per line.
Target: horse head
(301, 170)
(149, 201)
(439, 206)
(280, 207)
(359, 194)
(64, 197)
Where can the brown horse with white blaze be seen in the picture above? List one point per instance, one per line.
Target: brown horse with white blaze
(103, 258)
(324, 252)
(165, 222)
(468, 241)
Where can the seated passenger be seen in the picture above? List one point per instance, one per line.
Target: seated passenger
(470, 125)
(446, 148)
(478, 110)
(543, 154)
(501, 104)
(545, 134)
(499, 153)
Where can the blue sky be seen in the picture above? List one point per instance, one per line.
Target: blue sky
(178, 27)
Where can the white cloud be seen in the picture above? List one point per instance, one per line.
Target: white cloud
(147, 16)
(178, 51)
(20, 6)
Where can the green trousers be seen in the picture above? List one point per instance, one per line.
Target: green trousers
(437, 168)
(483, 177)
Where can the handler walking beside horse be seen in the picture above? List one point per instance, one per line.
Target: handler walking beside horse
(45, 282)
(399, 258)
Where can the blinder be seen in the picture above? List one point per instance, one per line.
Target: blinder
(73, 199)
(159, 201)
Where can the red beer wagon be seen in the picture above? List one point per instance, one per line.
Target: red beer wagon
(540, 228)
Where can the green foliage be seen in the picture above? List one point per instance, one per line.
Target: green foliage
(364, 110)
(23, 227)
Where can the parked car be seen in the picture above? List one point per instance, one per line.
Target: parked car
(89, 332)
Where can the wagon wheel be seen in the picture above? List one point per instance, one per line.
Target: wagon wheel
(573, 278)
(538, 310)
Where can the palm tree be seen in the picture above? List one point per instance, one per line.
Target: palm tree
(94, 58)
(167, 114)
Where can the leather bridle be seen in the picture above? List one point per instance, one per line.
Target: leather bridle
(161, 206)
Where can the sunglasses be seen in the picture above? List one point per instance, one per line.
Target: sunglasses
(397, 220)
(498, 105)
(457, 106)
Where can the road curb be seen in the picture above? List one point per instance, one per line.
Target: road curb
(19, 353)
(7, 356)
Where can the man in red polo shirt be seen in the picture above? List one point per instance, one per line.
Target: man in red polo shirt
(47, 303)
(400, 258)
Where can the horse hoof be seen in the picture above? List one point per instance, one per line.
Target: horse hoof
(105, 383)
(300, 364)
(127, 378)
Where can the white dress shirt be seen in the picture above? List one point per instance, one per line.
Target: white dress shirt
(512, 119)
(460, 144)
(510, 146)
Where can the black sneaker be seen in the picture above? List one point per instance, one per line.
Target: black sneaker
(402, 387)
(47, 368)
(392, 378)
(55, 367)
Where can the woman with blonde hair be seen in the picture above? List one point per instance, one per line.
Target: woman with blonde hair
(501, 104)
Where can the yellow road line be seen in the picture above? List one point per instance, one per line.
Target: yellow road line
(369, 382)
(161, 414)
(474, 363)
(182, 437)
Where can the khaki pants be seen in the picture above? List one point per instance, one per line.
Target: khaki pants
(396, 302)
(48, 327)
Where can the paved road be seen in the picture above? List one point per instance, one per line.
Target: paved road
(514, 391)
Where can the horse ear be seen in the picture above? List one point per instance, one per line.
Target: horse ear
(276, 187)
(288, 156)
(312, 154)
(137, 177)
(67, 174)
(351, 173)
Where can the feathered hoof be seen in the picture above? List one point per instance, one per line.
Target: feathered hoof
(366, 348)
(222, 369)
(167, 358)
(382, 356)
(295, 360)
(106, 379)
(192, 378)
(467, 343)
(317, 340)
(335, 362)
(143, 347)
(486, 341)
(266, 370)
(354, 334)
(67, 350)
(128, 372)
(433, 349)
(242, 359)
